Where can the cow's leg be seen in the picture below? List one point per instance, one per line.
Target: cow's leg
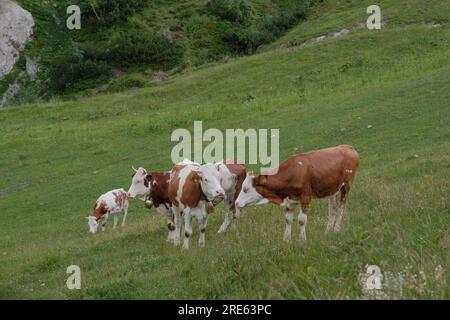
(187, 227)
(103, 221)
(171, 227)
(116, 218)
(332, 211)
(303, 218)
(229, 211)
(342, 207)
(177, 221)
(202, 219)
(289, 218)
(125, 211)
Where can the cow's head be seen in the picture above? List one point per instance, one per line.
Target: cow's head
(93, 224)
(210, 182)
(249, 195)
(141, 184)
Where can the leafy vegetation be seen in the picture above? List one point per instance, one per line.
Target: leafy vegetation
(385, 92)
(142, 34)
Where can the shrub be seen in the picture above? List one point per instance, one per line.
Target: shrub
(106, 13)
(135, 47)
(232, 10)
(68, 72)
(206, 35)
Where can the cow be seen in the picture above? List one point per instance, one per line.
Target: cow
(231, 176)
(112, 202)
(153, 189)
(317, 174)
(191, 188)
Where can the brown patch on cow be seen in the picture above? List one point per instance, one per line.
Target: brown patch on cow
(191, 193)
(119, 197)
(100, 209)
(171, 226)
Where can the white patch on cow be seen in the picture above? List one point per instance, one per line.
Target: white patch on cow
(210, 181)
(300, 163)
(137, 188)
(249, 195)
(93, 224)
(349, 171)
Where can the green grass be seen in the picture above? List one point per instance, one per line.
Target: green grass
(332, 16)
(58, 157)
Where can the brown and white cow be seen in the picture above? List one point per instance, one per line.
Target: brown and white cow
(111, 202)
(153, 189)
(191, 188)
(316, 174)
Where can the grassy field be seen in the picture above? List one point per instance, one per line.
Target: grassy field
(386, 92)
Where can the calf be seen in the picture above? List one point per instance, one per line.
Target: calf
(299, 179)
(111, 202)
(153, 189)
(191, 187)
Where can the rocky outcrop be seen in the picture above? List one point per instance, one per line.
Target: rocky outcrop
(16, 29)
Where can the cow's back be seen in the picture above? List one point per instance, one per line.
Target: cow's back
(328, 169)
(319, 173)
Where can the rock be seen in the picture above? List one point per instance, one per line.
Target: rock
(16, 29)
(12, 90)
(320, 38)
(32, 68)
(340, 33)
(160, 76)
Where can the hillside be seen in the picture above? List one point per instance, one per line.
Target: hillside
(125, 44)
(385, 92)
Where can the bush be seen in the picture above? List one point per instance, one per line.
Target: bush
(106, 13)
(206, 35)
(239, 11)
(68, 73)
(135, 47)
